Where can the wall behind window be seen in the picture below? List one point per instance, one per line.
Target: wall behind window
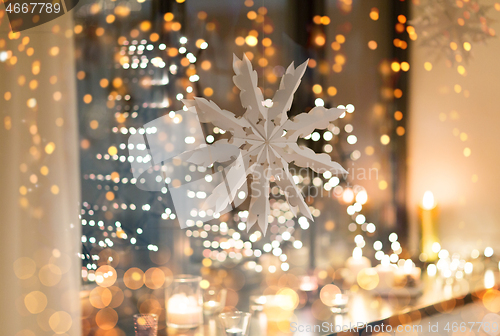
(469, 210)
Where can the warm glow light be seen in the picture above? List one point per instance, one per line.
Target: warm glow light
(408, 266)
(362, 197)
(357, 253)
(489, 279)
(320, 40)
(385, 139)
(348, 195)
(431, 270)
(251, 40)
(488, 252)
(332, 91)
(428, 200)
(395, 66)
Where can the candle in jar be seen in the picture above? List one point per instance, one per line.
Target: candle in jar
(429, 230)
(183, 311)
(408, 275)
(357, 262)
(211, 307)
(308, 284)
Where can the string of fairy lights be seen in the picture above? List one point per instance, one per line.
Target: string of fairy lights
(137, 50)
(157, 68)
(355, 197)
(130, 52)
(231, 242)
(221, 241)
(225, 240)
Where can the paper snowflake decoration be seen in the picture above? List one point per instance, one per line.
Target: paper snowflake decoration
(451, 27)
(267, 139)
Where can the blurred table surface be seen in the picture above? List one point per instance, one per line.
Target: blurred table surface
(371, 307)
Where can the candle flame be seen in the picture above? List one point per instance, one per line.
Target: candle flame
(357, 253)
(489, 279)
(428, 200)
(348, 195)
(408, 266)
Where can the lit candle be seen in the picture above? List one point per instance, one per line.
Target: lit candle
(183, 312)
(211, 307)
(340, 300)
(357, 262)
(308, 283)
(408, 275)
(432, 270)
(211, 304)
(428, 215)
(489, 279)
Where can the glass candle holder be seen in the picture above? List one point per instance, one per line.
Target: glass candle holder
(184, 302)
(146, 324)
(258, 319)
(214, 300)
(235, 323)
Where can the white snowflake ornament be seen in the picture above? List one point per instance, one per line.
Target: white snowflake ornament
(267, 139)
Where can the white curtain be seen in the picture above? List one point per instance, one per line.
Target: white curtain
(39, 182)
